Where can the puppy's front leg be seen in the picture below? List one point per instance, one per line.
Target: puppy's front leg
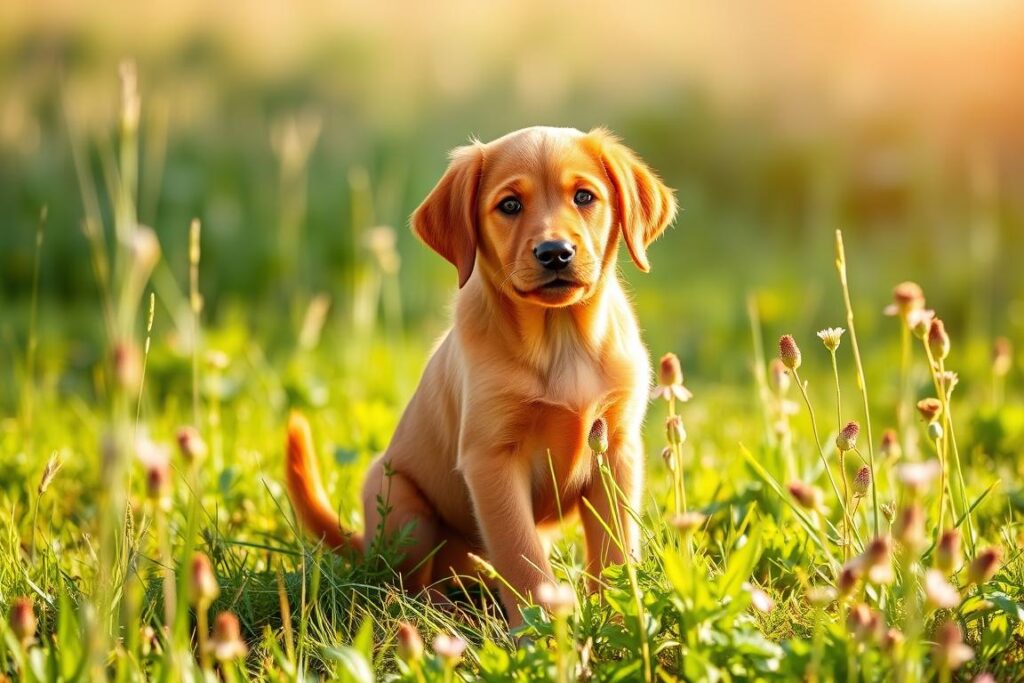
(499, 485)
(625, 461)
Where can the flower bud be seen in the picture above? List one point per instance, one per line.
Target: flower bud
(920, 321)
(985, 565)
(939, 593)
(909, 528)
(849, 575)
(890, 448)
(846, 440)
(1002, 357)
(821, 596)
(938, 340)
(892, 641)
(674, 431)
(449, 647)
(410, 644)
(557, 599)
(863, 622)
(917, 476)
(949, 651)
(877, 561)
(935, 431)
(669, 456)
(598, 437)
(929, 408)
(808, 497)
(888, 511)
(669, 372)
(789, 352)
(127, 361)
(23, 620)
(862, 482)
(907, 297)
(191, 444)
(778, 377)
(947, 553)
(203, 588)
(687, 522)
(226, 641)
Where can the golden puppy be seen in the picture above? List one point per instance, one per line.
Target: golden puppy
(544, 342)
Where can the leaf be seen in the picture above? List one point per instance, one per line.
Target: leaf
(1006, 604)
(741, 565)
(354, 667)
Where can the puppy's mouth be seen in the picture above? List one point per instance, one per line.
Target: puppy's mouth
(560, 283)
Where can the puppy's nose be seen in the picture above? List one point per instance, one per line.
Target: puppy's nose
(554, 254)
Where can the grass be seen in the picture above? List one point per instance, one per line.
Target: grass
(127, 556)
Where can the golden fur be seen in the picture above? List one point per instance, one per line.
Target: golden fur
(524, 370)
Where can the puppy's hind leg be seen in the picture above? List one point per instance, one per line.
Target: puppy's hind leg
(392, 503)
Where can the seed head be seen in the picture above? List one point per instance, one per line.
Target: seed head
(938, 340)
(1002, 357)
(808, 497)
(888, 511)
(846, 440)
(985, 565)
(449, 647)
(203, 588)
(674, 430)
(557, 599)
(789, 352)
(226, 642)
(191, 444)
(53, 466)
(939, 593)
(947, 553)
(930, 409)
(949, 651)
(23, 620)
(598, 437)
(830, 337)
(410, 644)
(891, 449)
(862, 482)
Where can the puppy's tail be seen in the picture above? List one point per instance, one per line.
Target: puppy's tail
(307, 492)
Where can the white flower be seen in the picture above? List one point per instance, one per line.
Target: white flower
(830, 336)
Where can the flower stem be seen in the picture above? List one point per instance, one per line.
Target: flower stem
(814, 431)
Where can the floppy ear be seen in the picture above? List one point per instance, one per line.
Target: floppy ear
(644, 205)
(447, 219)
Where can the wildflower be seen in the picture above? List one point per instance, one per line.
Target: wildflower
(938, 340)
(410, 644)
(939, 593)
(947, 553)
(877, 561)
(930, 409)
(203, 588)
(862, 482)
(892, 641)
(916, 476)
(830, 337)
(809, 497)
(849, 575)
(226, 642)
(598, 437)
(53, 466)
(669, 456)
(1002, 357)
(909, 528)
(557, 599)
(907, 297)
(670, 380)
(949, 650)
(23, 620)
(191, 444)
(948, 381)
(846, 440)
(920, 322)
(863, 622)
(217, 360)
(935, 431)
(761, 601)
(778, 376)
(789, 352)
(449, 647)
(890, 448)
(674, 430)
(688, 522)
(821, 596)
(149, 641)
(985, 565)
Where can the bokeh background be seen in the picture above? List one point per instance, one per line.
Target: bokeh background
(292, 129)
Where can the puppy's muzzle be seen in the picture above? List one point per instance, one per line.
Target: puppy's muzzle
(554, 254)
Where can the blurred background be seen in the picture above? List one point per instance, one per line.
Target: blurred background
(295, 129)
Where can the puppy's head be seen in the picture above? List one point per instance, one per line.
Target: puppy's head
(539, 212)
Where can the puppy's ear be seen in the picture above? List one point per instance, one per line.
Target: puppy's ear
(447, 219)
(644, 205)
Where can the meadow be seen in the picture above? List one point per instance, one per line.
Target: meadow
(182, 267)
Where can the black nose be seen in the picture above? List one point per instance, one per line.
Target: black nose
(554, 254)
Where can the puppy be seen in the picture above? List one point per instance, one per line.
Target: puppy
(492, 447)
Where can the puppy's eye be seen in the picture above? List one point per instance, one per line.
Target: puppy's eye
(583, 197)
(510, 206)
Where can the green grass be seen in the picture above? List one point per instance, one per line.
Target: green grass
(99, 551)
